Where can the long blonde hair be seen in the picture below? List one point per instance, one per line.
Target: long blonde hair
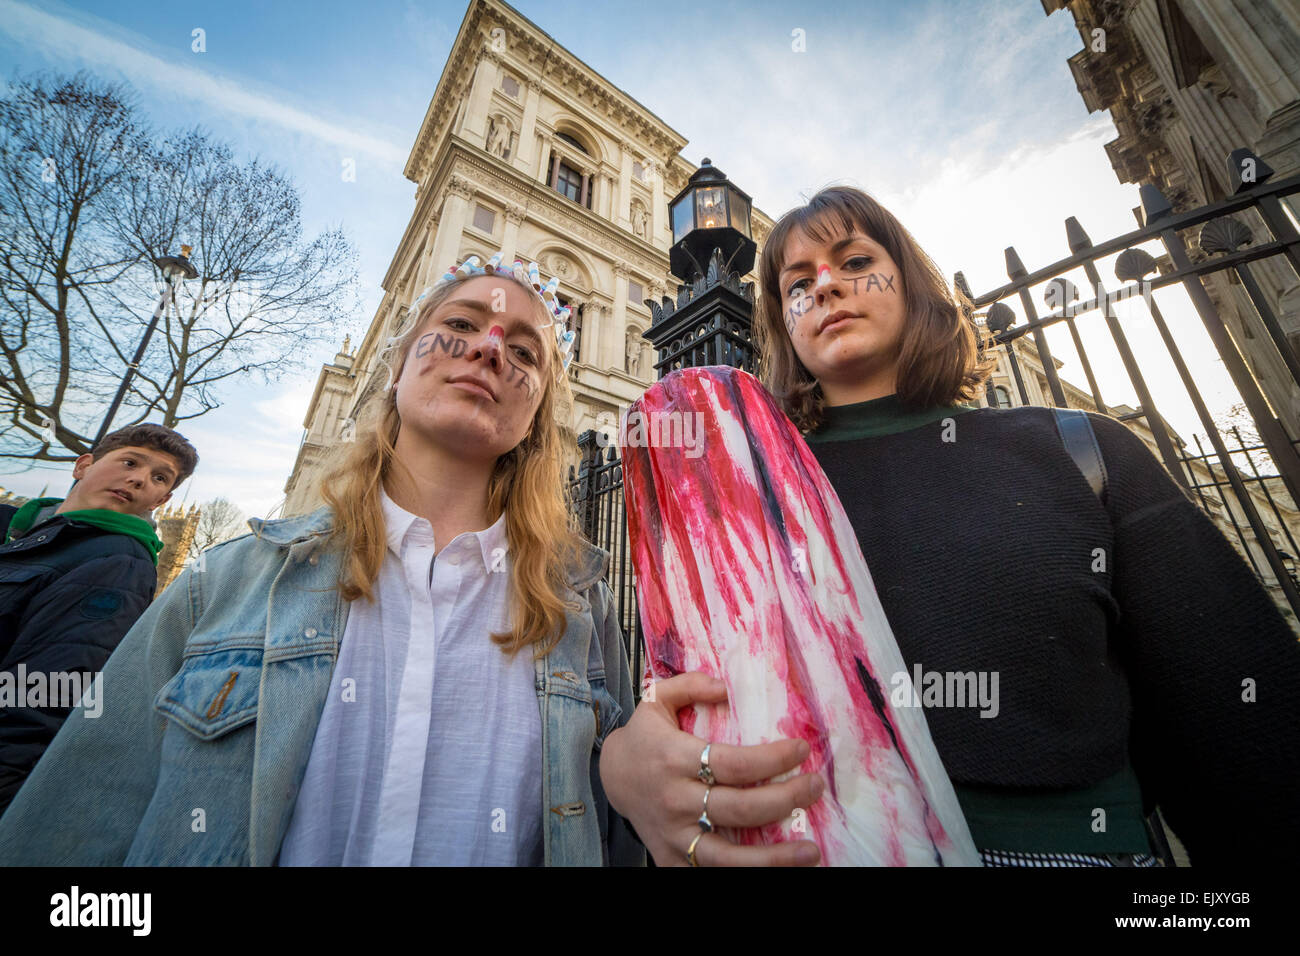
(527, 484)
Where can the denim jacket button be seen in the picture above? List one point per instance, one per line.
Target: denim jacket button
(310, 632)
(314, 559)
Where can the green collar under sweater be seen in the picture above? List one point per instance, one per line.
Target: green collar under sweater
(113, 521)
(879, 416)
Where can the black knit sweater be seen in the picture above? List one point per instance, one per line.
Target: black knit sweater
(984, 552)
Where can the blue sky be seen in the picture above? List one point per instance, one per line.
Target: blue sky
(961, 117)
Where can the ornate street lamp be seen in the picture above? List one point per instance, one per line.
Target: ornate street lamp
(710, 213)
(711, 320)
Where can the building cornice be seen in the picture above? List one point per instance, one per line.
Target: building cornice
(535, 55)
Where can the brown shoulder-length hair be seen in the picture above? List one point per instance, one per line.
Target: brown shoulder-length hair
(527, 484)
(940, 357)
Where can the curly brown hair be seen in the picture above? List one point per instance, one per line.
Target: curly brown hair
(939, 357)
(157, 438)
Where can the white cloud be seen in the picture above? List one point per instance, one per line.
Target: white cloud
(247, 448)
(62, 39)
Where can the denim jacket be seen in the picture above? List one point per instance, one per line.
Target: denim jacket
(210, 706)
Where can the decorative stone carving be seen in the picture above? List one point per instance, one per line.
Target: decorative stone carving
(499, 136)
(1153, 115)
(640, 220)
(463, 188)
(515, 213)
(632, 350)
(553, 214)
(621, 269)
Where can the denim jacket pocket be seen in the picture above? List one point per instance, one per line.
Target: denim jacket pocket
(213, 693)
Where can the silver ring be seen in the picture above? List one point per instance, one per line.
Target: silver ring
(705, 823)
(705, 772)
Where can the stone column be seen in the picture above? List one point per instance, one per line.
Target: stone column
(606, 196)
(620, 216)
(612, 354)
(586, 184)
(553, 170)
(474, 128)
(455, 213)
(1234, 35)
(528, 132)
(542, 168)
(583, 353)
(427, 272)
(514, 217)
(658, 213)
(593, 331)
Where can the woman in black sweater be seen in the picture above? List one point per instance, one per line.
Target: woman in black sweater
(1128, 656)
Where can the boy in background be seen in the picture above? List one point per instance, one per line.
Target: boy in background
(75, 573)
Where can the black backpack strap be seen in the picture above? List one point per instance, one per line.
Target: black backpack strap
(1081, 443)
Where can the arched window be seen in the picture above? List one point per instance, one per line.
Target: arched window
(567, 180)
(569, 139)
(1003, 396)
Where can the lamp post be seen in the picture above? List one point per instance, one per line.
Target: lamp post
(172, 267)
(711, 321)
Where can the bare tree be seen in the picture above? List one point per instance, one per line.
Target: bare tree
(64, 149)
(80, 285)
(219, 520)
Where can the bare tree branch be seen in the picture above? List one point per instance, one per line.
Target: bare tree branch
(89, 196)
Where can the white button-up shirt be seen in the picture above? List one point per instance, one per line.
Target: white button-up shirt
(429, 749)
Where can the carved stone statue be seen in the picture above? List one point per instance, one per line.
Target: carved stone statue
(640, 220)
(498, 137)
(633, 353)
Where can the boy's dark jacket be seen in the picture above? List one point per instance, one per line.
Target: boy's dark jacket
(69, 592)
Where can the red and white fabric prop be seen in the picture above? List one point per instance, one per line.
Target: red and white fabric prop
(748, 569)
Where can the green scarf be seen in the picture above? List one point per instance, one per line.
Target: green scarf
(112, 521)
(878, 416)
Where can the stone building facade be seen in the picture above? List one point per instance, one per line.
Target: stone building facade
(1187, 82)
(526, 149)
(176, 526)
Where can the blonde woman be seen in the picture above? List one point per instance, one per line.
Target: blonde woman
(421, 672)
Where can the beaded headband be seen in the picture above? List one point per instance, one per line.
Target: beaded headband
(560, 313)
(547, 293)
